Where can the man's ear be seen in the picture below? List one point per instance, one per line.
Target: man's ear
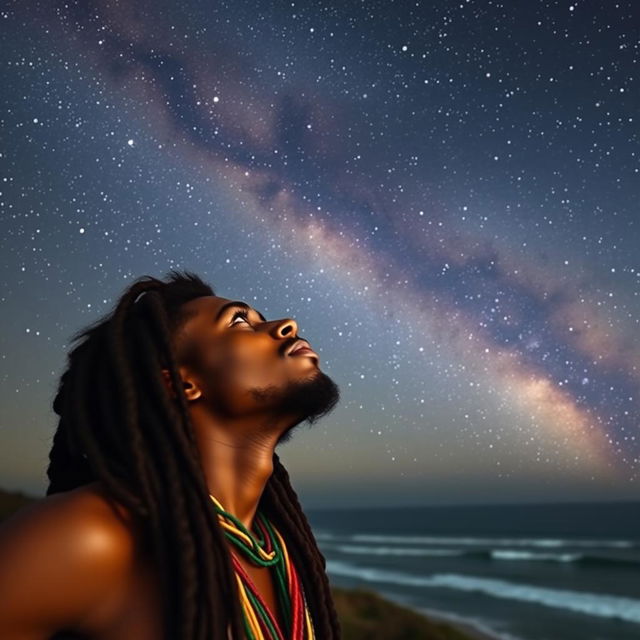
(191, 390)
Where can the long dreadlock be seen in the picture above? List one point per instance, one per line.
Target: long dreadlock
(118, 424)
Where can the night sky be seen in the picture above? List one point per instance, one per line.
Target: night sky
(444, 195)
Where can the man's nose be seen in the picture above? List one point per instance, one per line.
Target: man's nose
(286, 328)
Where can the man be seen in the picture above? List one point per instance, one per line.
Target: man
(169, 514)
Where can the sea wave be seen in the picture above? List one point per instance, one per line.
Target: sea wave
(490, 542)
(482, 541)
(594, 604)
(489, 554)
(578, 558)
(393, 551)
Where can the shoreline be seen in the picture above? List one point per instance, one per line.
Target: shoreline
(474, 630)
(363, 610)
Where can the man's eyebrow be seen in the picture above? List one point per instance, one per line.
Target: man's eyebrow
(241, 305)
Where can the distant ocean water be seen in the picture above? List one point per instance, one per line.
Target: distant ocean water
(523, 572)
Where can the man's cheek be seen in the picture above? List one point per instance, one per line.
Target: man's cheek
(253, 361)
(241, 365)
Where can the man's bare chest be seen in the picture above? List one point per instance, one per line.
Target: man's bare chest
(131, 610)
(136, 610)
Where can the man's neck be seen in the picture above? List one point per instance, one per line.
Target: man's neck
(236, 467)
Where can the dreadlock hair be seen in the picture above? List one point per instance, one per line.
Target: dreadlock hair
(119, 425)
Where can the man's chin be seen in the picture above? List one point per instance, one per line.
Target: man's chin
(319, 395)
(311, 399)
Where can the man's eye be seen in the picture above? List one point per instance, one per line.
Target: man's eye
(239, 314)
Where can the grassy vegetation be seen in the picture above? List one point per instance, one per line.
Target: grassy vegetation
(363, 614)
(12, 501)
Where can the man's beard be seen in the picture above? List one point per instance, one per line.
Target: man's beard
(311, 399)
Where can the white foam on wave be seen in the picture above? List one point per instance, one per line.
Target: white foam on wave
(325, 535)
(494, 554)
(393, 551)
(511, 554)
(594, 604)
(489, 542)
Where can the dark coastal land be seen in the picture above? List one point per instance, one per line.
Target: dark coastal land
(364, 615)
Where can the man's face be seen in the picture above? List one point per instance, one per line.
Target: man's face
(241, 363)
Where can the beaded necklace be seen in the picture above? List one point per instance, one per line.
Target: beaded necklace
(266, 548)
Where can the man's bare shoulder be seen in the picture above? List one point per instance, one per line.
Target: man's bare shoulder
(85, 512)
(94, 500)
(60, 555)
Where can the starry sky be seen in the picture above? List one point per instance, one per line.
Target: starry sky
(444, 195)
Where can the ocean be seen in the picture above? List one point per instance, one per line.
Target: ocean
(519, 572)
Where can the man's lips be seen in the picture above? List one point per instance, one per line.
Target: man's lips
(298, 344)
(301, 347)
(304, 351)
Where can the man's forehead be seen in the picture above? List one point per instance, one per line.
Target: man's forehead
(194, 313)
(203, 305)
